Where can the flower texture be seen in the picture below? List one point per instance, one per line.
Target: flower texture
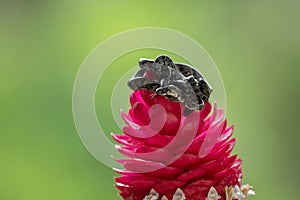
(166, 150)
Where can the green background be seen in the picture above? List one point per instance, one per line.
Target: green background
(43, 43)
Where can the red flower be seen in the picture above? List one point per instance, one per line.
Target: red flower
(167, 150)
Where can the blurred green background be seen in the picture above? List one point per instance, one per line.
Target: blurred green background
(255, 44)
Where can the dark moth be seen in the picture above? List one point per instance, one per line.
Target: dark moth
(175, 81)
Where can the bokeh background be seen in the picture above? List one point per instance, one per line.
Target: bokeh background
(255, 44)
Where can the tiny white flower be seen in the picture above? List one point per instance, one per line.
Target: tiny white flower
(213, 194)
(250, 192)
(153, 195)
(247, 190)
(179, 195)
(238, 194)
(164, 198)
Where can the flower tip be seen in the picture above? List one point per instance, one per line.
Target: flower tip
(153, 195)
(251, 192)
(213, 194)
(247, 190)
(215, 105)
(164, 198)
(179, 195)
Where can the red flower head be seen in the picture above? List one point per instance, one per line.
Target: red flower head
(167, 150)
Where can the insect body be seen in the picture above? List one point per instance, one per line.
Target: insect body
(175, 81)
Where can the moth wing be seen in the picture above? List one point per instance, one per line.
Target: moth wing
(146, 64)
(187, 70)
(143, 83)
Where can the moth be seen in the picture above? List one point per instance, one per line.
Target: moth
(175, 81)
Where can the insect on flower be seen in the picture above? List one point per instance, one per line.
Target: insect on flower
(175, 81)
